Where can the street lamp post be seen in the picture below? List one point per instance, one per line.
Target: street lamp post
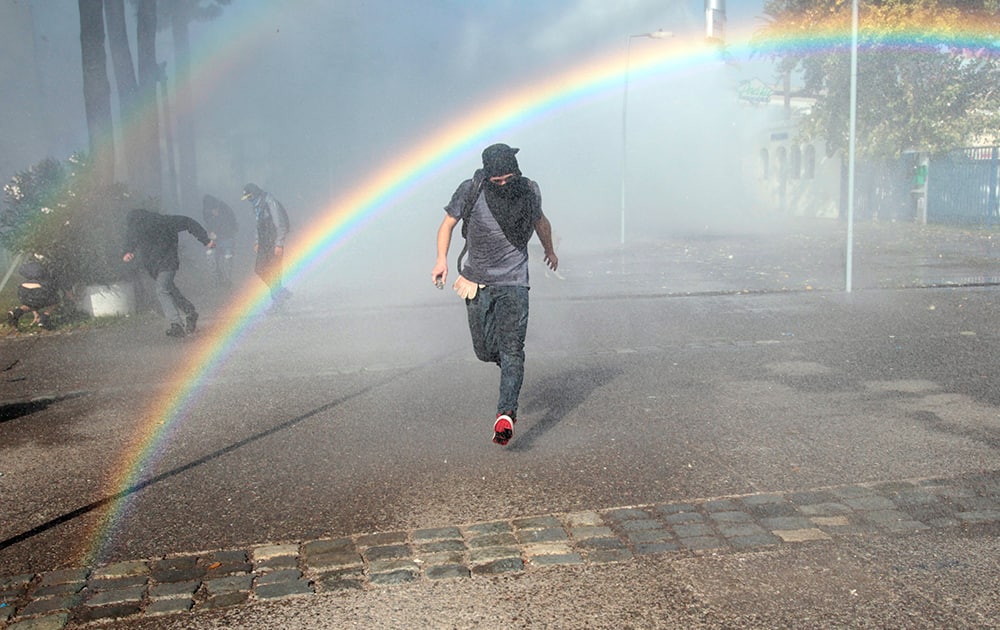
(660, 34)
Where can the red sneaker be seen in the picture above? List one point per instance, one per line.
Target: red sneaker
(503, 429)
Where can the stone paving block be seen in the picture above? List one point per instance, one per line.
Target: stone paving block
(496, 567)
(116, 583)
(392, 566)
(393, 577)
(538, 522)
(387, 552)
(285, 575)
(786, 522)
(49, 622)
(801, 535)
(118, 596)
(64, 576)
(328, 546)
(269, 552)
(730, 516)
(626, 514)
(347, 579)
(437, 533)
(587, 531)
(439, 546)
(915, 497)
(224, 600)
(609, 555)
(113, 611)
(824, 509)
(675, 508)
(173, 590)
(647, 548)
(228, 584)
(170, 606)
(978, 517)
(701, 543)
(382, 538)
(741, 529)
(852, 492)
(650, 536)
(492, 540)
(640, 524)
(691, 530)
(16, 582)
(601, 544)
(481, 529)
(869, 504)
(276, 590)
(886, 517)
(720, 505)
(121, 570)
(579, 520)
(527, 537)
(975, 504)
(59, 589)
(50, 605)
(684, 517)
(332, 560)
(277, 563)
(754, 540)
(440, 557)
(812, 497)
(446, 571)
(773, 510)
(177, 569)
(489, 554)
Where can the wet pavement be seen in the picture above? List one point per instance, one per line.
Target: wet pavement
(825, 460)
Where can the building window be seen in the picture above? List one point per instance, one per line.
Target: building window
(795, 163)
(765, 165)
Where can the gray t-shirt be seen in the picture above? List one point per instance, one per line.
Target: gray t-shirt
(491, 259)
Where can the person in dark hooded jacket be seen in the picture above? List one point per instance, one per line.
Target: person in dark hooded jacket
(154, 238)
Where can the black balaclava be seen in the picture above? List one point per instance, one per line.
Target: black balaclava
(511, 203)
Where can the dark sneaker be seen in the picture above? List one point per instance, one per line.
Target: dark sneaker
(13, 317)
(191, 323)
(503, 429)
(176, 330)
(44, 321)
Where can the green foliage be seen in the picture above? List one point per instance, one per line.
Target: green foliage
(60, 211)
(924, 81)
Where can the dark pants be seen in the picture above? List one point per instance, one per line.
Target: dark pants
(268, 268)
(175, 306)
(498, 321)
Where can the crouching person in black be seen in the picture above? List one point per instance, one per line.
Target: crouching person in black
(153, 238)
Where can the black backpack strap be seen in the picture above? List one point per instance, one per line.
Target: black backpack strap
(470, 200)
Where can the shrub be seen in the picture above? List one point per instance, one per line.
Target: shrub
(58, 210)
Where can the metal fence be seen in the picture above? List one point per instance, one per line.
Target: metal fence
(962, 187)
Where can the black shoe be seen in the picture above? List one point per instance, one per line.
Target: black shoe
(176, 330)
(13, 317)
(192, 323)
(44, 321)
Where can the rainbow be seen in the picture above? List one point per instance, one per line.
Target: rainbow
(346, 216)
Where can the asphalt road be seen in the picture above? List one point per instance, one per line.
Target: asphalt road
(670, 372)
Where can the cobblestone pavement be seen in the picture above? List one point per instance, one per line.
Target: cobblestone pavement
(192, 583)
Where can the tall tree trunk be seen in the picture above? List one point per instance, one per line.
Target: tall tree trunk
(149, 74)
(97, 90)
(183, 101)
(128, 93)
